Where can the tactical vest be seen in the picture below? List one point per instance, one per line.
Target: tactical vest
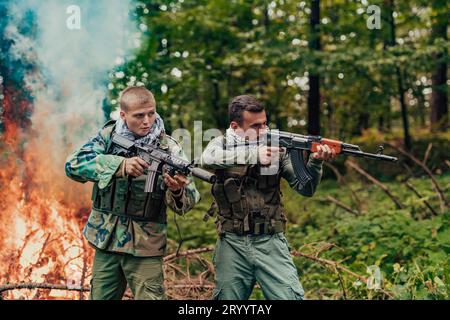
(248, 203)
(126, 197)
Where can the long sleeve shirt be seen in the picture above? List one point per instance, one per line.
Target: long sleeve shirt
(117, 233)
(216, 157)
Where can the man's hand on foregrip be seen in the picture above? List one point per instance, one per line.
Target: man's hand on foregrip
(324, 152)
(176, 183)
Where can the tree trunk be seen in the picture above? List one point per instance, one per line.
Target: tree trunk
(400, 85)
(439, 97)
(314, 79)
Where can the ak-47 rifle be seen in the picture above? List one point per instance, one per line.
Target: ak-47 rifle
(159, 159)
(296, 143)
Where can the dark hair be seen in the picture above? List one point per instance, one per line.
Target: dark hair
(240, 104)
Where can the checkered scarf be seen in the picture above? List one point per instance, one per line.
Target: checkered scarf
(155, 131)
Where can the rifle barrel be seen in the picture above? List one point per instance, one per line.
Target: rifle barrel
(369, 155)
(347, 148)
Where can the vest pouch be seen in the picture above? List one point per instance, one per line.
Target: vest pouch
(95, 190)
(155, 209)
(268, 182)
(221, 200)
(273, 181)
(95, 198)
(234, 196)
(104, 198)
(137, 197)
(232, 190)
(271, 196)
(120, 195)
(262, 182)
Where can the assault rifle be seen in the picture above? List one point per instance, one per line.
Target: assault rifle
(159, 159)
(296, 143)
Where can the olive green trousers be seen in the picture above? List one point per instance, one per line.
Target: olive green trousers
(243, 261)
(112, 271)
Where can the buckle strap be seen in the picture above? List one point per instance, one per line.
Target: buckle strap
(257, 228)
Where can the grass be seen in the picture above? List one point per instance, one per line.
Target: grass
(409, 246)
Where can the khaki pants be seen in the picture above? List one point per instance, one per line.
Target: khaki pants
(112, 271)
(243, 261)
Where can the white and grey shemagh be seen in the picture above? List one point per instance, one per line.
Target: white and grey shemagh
(154, 134)
(232, 137)
(241, 152)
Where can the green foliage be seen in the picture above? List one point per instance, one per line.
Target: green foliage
(411, 249)
(228, 47)
(197, 54)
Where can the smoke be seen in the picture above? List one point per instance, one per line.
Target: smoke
(65, 68)
(72, 64)
(53, 83)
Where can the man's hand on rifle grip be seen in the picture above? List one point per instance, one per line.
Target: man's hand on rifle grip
(267, 155)
(135, 166)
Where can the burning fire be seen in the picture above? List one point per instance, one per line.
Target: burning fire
(42, 217)
(51, 91)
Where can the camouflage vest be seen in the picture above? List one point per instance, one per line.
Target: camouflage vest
(126, 197)
(247, 201)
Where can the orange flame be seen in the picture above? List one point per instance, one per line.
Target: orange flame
(42, 213)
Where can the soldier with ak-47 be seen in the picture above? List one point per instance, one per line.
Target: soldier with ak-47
(249, 161)
(127, 227)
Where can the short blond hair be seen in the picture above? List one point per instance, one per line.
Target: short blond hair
(135, 95)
